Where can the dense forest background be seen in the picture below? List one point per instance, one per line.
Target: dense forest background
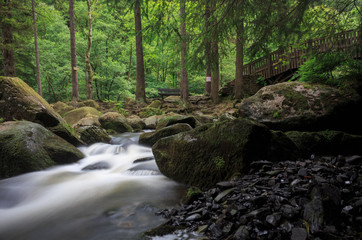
(264, 26)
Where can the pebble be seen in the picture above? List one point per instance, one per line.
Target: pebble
(316, 198)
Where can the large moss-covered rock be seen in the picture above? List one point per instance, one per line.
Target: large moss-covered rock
(77, 114)
(215, 152)
(62, 108)
(89, 103)
(174, 119)
(93, 134)
(115, 121)
(18, 101)
(326, 142)
(150, 138)
(27, 146)
(136, 122)
(304, 107)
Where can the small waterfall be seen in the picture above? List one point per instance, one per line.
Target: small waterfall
(112, 193)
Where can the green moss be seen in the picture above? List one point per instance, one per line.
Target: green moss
(2, 120)
(150, 111)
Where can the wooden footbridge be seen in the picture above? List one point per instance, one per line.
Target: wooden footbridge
(281, 64)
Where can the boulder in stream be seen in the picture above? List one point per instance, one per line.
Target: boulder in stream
(27, 147)
(150, 138)
(115, 121)
(215, 152)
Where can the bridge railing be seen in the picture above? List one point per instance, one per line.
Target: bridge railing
(280, 61)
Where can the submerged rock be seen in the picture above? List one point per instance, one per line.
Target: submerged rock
(27, 146)
(215, 152)
(18, 101)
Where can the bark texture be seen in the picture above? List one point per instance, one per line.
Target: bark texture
(184, 89)
(89, 72)
(215, 59)
(38, 79)
(239, 61)
(140, 82)
(73, 54)
(7, 40)
(207, 46)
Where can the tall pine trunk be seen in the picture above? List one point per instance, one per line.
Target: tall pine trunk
(38, 79)
(238, 88)
(73, 54)
(215, 74)
(184, 89)
(207, 47)
(140, 75)
(89, 72)
(7, 40)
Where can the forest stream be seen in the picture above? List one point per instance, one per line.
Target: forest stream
(107, 195)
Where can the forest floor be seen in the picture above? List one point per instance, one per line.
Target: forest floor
(199, 104)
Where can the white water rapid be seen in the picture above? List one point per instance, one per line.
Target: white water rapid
(107, 195)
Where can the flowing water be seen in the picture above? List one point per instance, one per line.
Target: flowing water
(115, 199)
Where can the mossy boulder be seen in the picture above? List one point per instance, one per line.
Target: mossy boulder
(215, 152)
(93, 134)
(151, 122)
(62, 108)
(18, 101)
(136, 122)
(174, 119)
(115, 121)
(155, 104)
(87, 121)
(89, 103)
(326, 142)
(27, 146)
(150, 138)
(304, 107)
(77, 114)
(150, 111)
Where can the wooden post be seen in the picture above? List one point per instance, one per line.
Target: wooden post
(270, 66)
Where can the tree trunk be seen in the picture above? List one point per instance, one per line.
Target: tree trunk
(215, 59)
(207, 48)
(7, 40)
(38, 80)
(140, 82)
(89, 72)
(73, 54)
(130, 64)
(238, 88)
(184, 89)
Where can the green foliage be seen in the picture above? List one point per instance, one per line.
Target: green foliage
(2, 120)
(219, 162)
(261, 80)
(330, 68)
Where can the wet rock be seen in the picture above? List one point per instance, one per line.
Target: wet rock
(97, 166)
(296, 206)
(150, 138)
(27, 147)
(274, 219)
(299, 234)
